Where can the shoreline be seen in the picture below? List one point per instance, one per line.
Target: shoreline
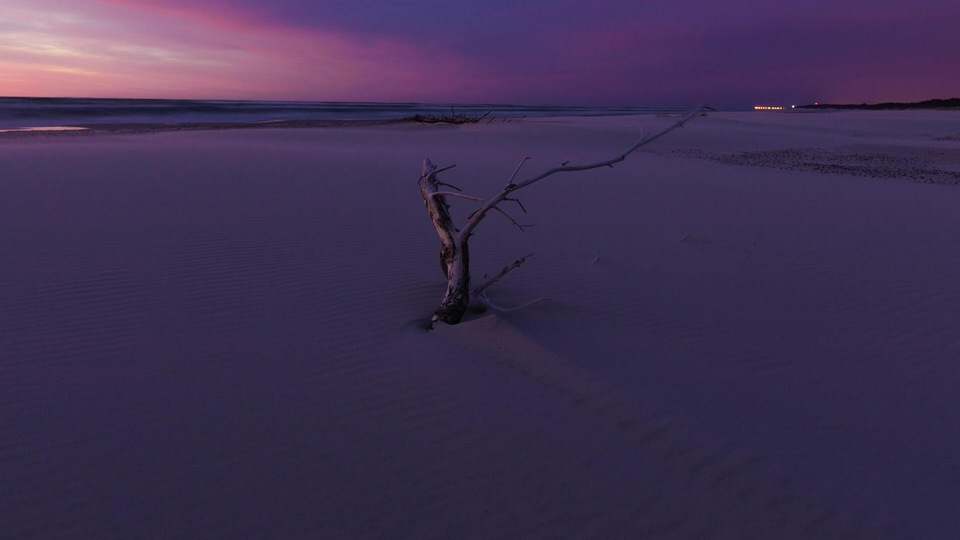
(29, 112)
(80, 130)
(140, 128)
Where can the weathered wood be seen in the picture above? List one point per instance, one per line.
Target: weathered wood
(454, 250)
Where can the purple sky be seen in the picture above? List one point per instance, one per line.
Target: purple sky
(599, 52)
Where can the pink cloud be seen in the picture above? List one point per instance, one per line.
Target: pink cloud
(607, 52)
(134, 49)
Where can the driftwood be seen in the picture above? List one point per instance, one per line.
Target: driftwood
(454, 242)
(454, 250)
(453, 118)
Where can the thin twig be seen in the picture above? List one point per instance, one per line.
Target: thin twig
(508, 216)
(520, 204)
(436, 172)
(517, 170)
(448, 185)
(455, 194)
(503, 271)
(750, 252)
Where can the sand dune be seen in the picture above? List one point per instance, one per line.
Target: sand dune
(748, 330)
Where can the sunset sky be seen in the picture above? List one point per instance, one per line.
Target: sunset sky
(564, 52)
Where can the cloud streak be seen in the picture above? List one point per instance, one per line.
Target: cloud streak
(604, 52)
(122, 50)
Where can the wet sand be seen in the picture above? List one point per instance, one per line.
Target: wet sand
(746, 330)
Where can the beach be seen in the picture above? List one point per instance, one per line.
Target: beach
(747, 329)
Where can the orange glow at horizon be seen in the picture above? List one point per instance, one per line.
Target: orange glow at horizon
(119, 49)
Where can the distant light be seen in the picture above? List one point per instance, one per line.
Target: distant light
(767, 108)
(793, 106)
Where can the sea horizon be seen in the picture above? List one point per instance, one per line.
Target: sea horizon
(37, 112)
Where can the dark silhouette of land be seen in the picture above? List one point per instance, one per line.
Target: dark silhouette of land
(952, 103)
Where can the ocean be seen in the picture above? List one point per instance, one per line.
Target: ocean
(31, 112)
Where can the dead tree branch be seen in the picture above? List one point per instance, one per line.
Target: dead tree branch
(511, 187)
(454, 252)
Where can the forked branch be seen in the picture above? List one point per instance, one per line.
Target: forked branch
(454, 249)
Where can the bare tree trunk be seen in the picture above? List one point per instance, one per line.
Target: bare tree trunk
(454, 251)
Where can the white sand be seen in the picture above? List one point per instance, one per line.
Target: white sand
(218, 334)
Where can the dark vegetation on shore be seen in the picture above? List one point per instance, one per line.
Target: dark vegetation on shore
(951, 103)
(453, 118)
(456, 118)
(143, 128)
